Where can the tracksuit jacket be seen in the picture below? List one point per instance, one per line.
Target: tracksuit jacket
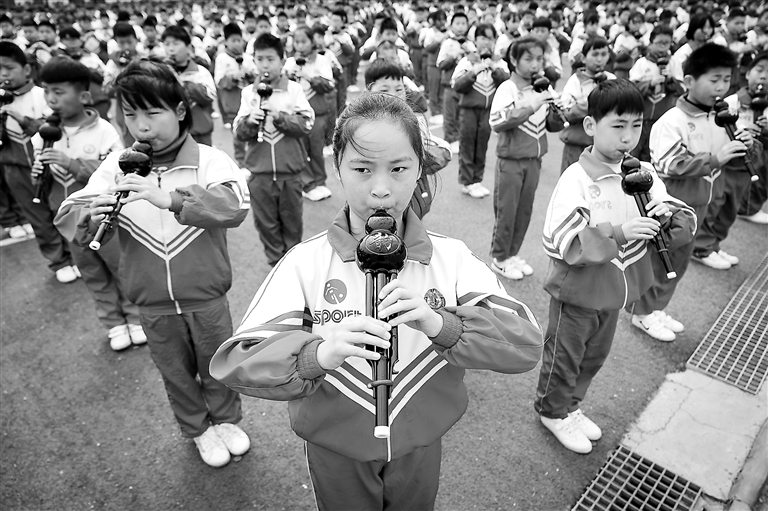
(29, 101)
(273, 354)
(477, 90)
(592, 265)
(173, 261)
(656, 99)
(522, 132)
(201, 90)
(319, 87)
(281, 152)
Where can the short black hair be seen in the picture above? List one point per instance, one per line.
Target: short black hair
(177, 32)
(149, 21)
(69, 32)
(763, 55)
(519, 47)
(661, 30)
(232, 29)
(542, 22)
(388, 24)
(594, 43)
(698, 21)
(591, 18)
(47, 23)
(483, 28)
(145, 84)
(341, 13)
(29, 22)
(736, 13)
(63, 69)
(459, 14)
(123, 29)
(262, 17)
(620, 96)
(13, 51)
(707, 58)
(267, 41)
(382, 68)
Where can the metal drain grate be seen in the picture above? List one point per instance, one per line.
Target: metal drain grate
(735, 350)
(629, 482)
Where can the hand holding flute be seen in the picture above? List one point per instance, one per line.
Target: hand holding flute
(727, 120)
(50, 132)
(542, 84)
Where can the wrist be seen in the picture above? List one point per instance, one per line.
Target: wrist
(435, 325)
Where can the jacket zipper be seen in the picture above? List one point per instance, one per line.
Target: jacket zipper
(169, 283)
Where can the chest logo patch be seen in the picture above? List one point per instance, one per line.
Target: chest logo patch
(335, 291)
(691, 127)
(434, 299)
(89, 149)
(594, 191)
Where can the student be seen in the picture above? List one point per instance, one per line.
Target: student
(510, 35)
(386, 76)
(233, 71)
(316, 79)
(689, 150)
(659, 89)
(322, 367)
(174, 262)
(72, 43)
(127, 42)
(600, 259)
(627, 45)
(574, 97)
(452, 50)
(24, 116)
(87, 140)
(755, 199)
(734, 36)
(521, 117)
(475, 80)
(277, 162)
(433, 38)
(197, 81)
(700, 31)
(553, 66)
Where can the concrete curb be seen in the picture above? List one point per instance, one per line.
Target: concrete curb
(753, 476)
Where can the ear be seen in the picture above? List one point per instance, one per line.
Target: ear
(688, 82)
(589, 125)
(85, 97)
(181, 111)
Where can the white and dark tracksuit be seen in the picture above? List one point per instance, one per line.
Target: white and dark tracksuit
(574, 98)
(199, 86)
(16, 157)
(175, 266)
(448, 56)
(273, 355)
(434, 89)
(277, 164)
(88, 145)
(476, 93)
(522, 142)
(593, 273)
(758, 190)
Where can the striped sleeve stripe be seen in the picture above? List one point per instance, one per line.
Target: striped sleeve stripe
(667, 161)
(571, 221)
(141, 235)
(671, 149)
(569, 235)
(472, 298)
(513, 305)
(551, 252)
(271, 327)
(83, 199)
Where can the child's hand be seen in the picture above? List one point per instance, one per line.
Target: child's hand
(479, 67)
(256, 116)
(762, 121)
(348, 339)
(53, 156)
(6, 109)
(657, 207)
(143, 189)
(540, 98)
(102, 206)
(731, 150)
(411, 307)
(640, 228)
(745, 136)
(659, 80)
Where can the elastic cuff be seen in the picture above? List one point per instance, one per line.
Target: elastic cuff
(177, 201)
(714, 163)
(451, 331)
(307, 365)
(618, 235)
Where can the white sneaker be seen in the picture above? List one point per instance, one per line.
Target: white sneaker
(227, 126)
(473, 191)
(326, 192)
(506, 270)
(436, 120)
(215, 115)
(485, 191)
(246, 173)
(234, 438)
(353, 89)
(670, 322)
(568, 433)
(77, 271)
(713, 260)
(761, 217)
(67, 274)
(17, 232)
(651, 324)
(521, 265)
(212, 448)
(119, 337)
(315, 194)
(328, 151)
(728, 257)
(455, 147)
(585, 424)
(28, 229)
(137, 334)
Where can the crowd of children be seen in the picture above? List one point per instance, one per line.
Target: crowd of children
(644, 80)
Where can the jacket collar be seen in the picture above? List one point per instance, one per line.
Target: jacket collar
(92, 118)
(594, 168)
(745, 98)
(415, 238)
(187, 157)
(520, 82)
(689, 108)
(280, 84)
(24, 88)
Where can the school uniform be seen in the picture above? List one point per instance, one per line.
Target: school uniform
(434, 90)
(594, 271)
(273, 355)
(201, 90)
(229, 92)
(450, 53)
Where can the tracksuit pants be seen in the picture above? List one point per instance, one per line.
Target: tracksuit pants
(100, 274)
(314, 174)
(181, 346)
(513, 193)
(571, 154)
(10, 211)
(576, 345)
(758, 190)
(408, 483)
(729, 191)
(277, 211)
(662, 290)
(474, 134)
(450, 114)
(52, 244)
(434, 91)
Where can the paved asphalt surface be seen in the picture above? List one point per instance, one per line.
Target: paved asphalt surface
(82, 427)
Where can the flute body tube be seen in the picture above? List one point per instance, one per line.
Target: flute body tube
(51, 133)
(727, 120)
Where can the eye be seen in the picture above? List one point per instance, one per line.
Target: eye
(360, 170)
(399, 170)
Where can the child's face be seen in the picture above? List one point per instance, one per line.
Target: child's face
(513, 24)
(704, 34)
(72, 44)
(158, 126)
(337, 22)
(263, 27)
(13, 73)
(484, 42)
(384, 175)
(758, 75)
(387, 53)
(65, 98)
(150, 32)
(614, 134)
(30, 33)
(46, 34)
(529, 63)
(389, 86)
(389, 35)
(591, 28)
(176, 49)
(737, 25)
(250, 25)
(234, 43)
(660, 45)
(596, 59)
(459, 26)
(268, 61)
(6, 29)
(126, 43)
(527, 20)
(319, 40)
(302, 44)
(282, 23)
(709, 86)
(540, 33)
